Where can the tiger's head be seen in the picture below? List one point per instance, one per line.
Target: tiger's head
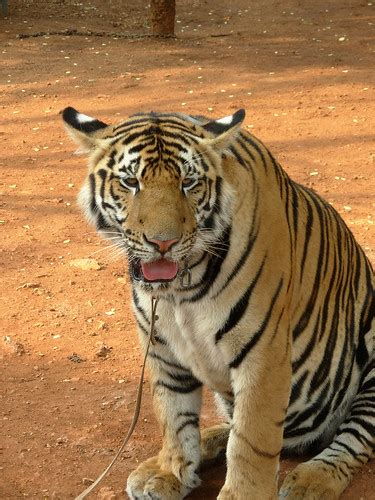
(156, 187)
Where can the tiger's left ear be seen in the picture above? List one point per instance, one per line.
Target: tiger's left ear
(225, 130)
(87, 132)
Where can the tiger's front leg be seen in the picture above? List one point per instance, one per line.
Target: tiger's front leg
(261, 384)
(172, 474)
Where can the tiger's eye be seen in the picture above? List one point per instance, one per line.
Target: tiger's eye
(188, 182)
(130, 182)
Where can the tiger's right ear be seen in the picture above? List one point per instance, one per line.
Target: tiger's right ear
(87, 132)
(225, 130)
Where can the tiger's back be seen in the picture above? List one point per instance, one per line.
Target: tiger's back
(276, 317)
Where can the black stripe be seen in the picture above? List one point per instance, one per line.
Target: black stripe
(138, 306)
(295, 208)
(255, 338)
(346, 447)
(327, 462)
(325, 411)
(296, 390)
(283, 179)
(356, 434)
(238, 157)
(102, 173)
(367, 426)
(171, 135)
(142, 145)
(203, 163)
(362, 412)
(212, 270)
(93, 205)
(187, 414)
(306, 315)
(329, 297)
(158, 338)
(154, 355)
(255, 449)
(308, 228)
(132, 137)
(367, 317)
(297, 363)
(239, 309)
(339, 375)
(184, 389)
(187, 131)
(101, 224)
(193, 421)
(257, 146)
(340, 395)
(137, 121)
(111, 161)
(181, 377)
(206, 195)
(251, 239)
(293, 425)
(322, 372)
(209, 223)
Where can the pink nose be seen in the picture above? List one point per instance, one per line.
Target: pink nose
(163, 245)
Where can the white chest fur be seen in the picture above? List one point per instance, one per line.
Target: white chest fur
(189, 330)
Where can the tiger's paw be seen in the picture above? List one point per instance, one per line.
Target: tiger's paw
(150, 482)
(184, 466)
(214, 441)
(311, 481)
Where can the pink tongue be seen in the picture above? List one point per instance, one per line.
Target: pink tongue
(161, 269)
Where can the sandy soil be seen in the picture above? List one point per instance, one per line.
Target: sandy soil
(68, 349)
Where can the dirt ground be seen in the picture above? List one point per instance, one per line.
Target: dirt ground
(69, 356)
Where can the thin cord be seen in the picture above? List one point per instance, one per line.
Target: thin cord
(152, 340)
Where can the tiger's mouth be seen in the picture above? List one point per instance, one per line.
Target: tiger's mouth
(158, 271)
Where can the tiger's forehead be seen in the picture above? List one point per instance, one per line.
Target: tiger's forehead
(160, 123)
(154, 143)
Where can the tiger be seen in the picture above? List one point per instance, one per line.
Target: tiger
(264, 297)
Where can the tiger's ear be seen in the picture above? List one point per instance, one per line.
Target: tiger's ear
(87, 132)
(225, 130)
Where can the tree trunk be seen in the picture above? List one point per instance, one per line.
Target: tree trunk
(162, 16)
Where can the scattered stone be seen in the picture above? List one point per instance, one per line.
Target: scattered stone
(54, 200)
(86, 264)
(103, 351)
(28, 285)
(76, 358)
(102, 325)
(61, 440)
(13, 346)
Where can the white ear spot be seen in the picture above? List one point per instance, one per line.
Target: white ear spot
(81, 118)
(227, 120)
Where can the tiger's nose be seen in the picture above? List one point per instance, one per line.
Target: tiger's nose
(162, 245)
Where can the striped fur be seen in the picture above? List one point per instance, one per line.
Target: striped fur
(278, 319)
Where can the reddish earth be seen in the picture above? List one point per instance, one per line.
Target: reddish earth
(69, 354)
